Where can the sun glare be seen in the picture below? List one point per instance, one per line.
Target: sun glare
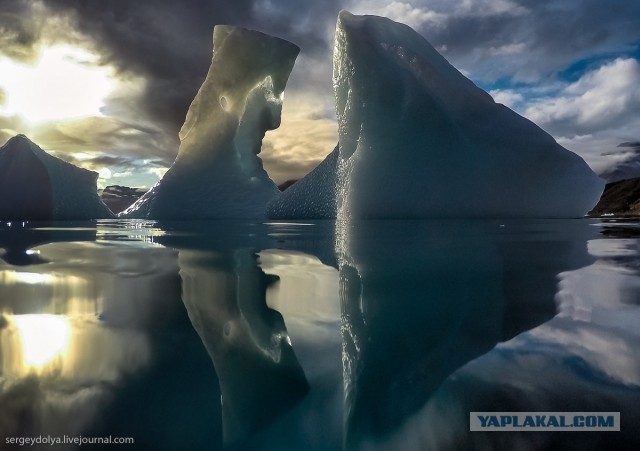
(64, 83)
(30, 278)
(43, 337)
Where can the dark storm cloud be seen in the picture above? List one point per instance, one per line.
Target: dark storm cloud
(19, 29)
(310, 24)
(166, 42)
(530, 40)
(169, 43)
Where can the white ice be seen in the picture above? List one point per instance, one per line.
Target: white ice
(217, 173)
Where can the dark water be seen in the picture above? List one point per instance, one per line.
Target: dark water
(285, 336)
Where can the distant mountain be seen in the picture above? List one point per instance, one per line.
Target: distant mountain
(619, 198)
(283, 186)
(118, 198)
(37, 186)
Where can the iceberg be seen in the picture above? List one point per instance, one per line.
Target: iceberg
(217, 173)
(37, 186)
(312, 197)
(419, 139)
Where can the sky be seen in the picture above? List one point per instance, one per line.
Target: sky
(106, 84)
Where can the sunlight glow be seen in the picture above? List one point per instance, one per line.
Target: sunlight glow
(30, 278)
(43, 337)
(64, 83)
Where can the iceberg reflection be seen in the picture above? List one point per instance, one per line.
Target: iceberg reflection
(18, 238)
(391, 350)
(412, 315)
(259, 375)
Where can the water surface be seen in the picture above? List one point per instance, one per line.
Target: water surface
(298, 335)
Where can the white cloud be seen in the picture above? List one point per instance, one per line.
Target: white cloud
(416, 14)
(122, 174)
(105, 173)
(303, 140)
(158, 172)
(600, 149)
(411, 15)
(591, 116)
(488, 8)
(598, 100)
(508, 49)
(506, 97)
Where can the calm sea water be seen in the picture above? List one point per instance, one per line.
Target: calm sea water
(285, 336)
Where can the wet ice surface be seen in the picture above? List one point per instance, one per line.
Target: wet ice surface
(378, 335)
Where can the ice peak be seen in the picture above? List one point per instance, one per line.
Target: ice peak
(19, 142)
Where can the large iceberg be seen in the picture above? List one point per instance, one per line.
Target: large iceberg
(217, 173)
(37, 186)
(419, 139)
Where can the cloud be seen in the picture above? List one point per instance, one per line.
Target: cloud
(108, 146)
(590, 115)
(158, 172)
(598, 100)
(305, 138)
(511, 47)
(168, 45)
(625, 162)
(507, 97)
(411, 15)
(524, 41)
(10, 126)
(109, 140)
(19, 33)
